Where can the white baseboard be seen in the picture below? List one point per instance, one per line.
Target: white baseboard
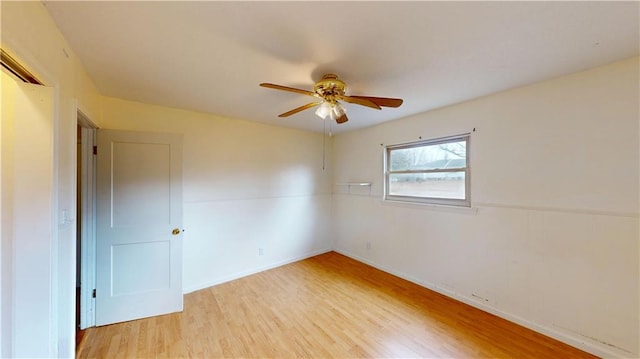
(589, 345)
(253, 271)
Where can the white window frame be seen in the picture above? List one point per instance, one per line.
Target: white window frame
(466, 202)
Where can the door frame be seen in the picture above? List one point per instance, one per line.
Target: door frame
(88, 220)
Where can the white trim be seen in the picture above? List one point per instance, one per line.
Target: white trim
(420, 141)
(88, 229)
(233, 199)
(82, 118)
(587, 344)
(430, 206)
(354, 184)
(55, 293)
(558, 209)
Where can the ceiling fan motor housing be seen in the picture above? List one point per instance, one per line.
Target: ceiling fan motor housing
(330, 87)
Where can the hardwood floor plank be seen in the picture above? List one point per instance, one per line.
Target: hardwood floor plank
(325, 306)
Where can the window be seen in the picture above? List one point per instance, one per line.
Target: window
(432, 171)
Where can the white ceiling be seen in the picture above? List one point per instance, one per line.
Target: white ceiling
(211, 56)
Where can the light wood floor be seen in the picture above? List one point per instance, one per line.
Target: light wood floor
(325, 306)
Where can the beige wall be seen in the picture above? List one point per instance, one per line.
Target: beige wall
(30, 35)
(552, 241)
(246, 186)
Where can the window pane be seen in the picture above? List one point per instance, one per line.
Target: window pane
(428, 185)
(437, 156)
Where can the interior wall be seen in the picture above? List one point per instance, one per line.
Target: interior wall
(6, 214)
(31, 37)
(255, 196)
(552, 239)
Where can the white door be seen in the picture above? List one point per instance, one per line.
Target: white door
(139, 225)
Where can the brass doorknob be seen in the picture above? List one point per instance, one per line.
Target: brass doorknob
(175, 231)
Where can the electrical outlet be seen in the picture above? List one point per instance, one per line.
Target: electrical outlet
(260, 251)
(368, 245)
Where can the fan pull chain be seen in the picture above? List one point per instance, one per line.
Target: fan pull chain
(324, 130)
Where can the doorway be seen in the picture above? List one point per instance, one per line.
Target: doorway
(85, 225)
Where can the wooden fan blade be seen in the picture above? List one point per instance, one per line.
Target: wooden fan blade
(359, 101)
(298, 109)
(382, 101)
(290, 89)
(342, 119)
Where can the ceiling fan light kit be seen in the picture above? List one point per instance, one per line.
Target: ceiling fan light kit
(330, 90)
(324, 110)
(333, 110)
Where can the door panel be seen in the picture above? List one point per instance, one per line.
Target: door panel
(141, 184)
(139, 204)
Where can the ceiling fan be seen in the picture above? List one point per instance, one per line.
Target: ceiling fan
(329, 91)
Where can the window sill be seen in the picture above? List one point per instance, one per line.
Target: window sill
(431, 206)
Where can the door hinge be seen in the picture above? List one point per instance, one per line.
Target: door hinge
(93, 293)
(95, 150)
